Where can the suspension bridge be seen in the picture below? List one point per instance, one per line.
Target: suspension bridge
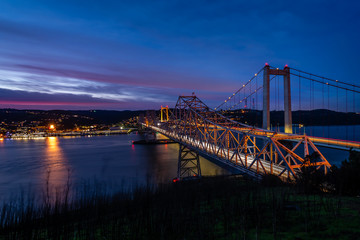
(256, 148)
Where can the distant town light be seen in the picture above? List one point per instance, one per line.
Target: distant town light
(52, 127)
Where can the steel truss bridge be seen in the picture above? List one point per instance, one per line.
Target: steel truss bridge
(251, 150)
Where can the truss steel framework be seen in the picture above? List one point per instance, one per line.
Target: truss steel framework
(188, 164)
(257, 151)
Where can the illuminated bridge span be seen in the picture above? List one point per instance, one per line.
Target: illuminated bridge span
(251, 150)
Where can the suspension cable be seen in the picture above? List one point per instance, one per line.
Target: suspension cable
(243, 87)
(327, 83)
(248, 96)
(328, 79)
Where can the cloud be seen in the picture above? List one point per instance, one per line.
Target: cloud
(151, 52)
(31, 100)
(14, 95)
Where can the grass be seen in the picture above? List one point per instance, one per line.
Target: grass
(210, 208)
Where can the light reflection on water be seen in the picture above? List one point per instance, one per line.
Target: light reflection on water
(56, 164)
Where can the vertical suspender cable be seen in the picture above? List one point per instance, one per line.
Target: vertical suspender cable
(243, 96)
(346, 111)
(256, 100)
(354, 113)
(323, 100)
(322, 106)
(337, 97)
(314, 95)
(300, 113)
(276, 92)
(328, 110)
(311, 101)
(256, 94)
(310, 95)
(250, 97)
(275, 95)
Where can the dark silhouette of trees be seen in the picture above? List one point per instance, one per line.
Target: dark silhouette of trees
(345, 179)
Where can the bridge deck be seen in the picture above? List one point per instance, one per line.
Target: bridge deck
(213, 152)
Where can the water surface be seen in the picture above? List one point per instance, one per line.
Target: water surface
(110, 160)
(113, 160)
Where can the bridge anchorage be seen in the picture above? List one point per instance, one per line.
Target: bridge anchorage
(252, 151)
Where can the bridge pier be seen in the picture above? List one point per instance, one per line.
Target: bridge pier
(188, 163)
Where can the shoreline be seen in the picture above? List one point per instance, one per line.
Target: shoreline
(70, 134)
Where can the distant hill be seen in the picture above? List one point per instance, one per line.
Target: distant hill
(68, 119)
(309, 118)
(63, 119)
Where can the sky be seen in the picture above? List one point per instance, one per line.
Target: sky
(129, 55)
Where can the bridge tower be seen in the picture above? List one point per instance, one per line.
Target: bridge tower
(164, 112)
(287, 97)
